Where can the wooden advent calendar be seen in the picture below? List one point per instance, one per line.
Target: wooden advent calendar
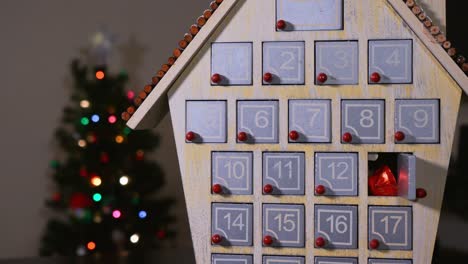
(284, 110)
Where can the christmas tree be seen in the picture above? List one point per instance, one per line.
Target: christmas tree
(106, 189)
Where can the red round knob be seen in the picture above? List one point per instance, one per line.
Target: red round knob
(216, 78)
(216, 239)
(421, 193)
(374, 244)
(294, 135)
(217, 188)
(347, 137)
(320, 242)
(267, 188)
(267, 77)
(281, 24)
(375, 77)
(320, 189)
(190, 136)
(242, 136)
(399, 136)
(267, 240)
(322, 77)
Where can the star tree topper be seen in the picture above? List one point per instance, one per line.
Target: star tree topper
(102, 43)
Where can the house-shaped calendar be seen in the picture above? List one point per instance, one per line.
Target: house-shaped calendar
(310, 131)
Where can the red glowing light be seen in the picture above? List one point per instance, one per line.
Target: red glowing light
(383, 182)
(91, 245)
(130, 95)
(100, 75)
(112, 119)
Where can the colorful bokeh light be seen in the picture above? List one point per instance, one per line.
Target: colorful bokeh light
(82, 143)
(134, 238)
(116, 214)
(96, 181)
(119, 139)
(112, 119)
(123, 180)
(97, 197)
(84, 121)
(91, 245)
(130, 95)
(84, 103)
(100, 75)
(95, 118)
(142, 214)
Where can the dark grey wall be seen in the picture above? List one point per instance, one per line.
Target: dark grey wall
(38, 39)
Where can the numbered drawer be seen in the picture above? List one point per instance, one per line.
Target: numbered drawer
(335, 260)
(283, 225)
(390, 261)
(283, 173)
(336, 62)
(283, 260)
(283, 62)
(231, 259)
(257, 121)
(336, 226)
(417, 121)
(363, 121)
(336, 174)
(309, 14)
(310, 121)
(232, 172)
(390, 227)
(231, 224)
(231, 63)
(206, 121)
(391, 61)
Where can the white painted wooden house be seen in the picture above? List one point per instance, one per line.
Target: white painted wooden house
(304, 128)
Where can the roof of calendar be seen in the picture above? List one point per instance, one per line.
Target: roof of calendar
(434, 40)
(151, 104)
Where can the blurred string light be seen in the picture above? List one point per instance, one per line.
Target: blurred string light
(97, 218)
(127, 130)
(91, 245)
(95, 118)
(130, 95)
(96, 181)
(100, 75)
(116, 214)
(80, 251)
(82, 143)
(119, 139)
(140, 154)
(91, 138)
(123, 180)
(142, 214)
(84, 103)
(112, 119)
(84, 121)
(134, 238)
(97, 197)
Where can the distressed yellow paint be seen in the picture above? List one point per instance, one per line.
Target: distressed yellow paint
(253, 21)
